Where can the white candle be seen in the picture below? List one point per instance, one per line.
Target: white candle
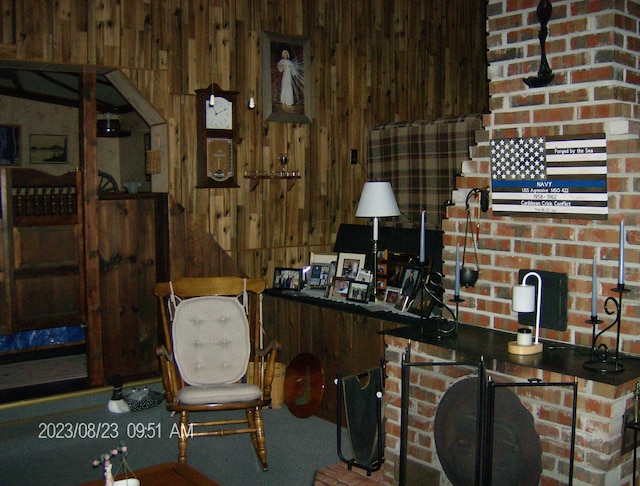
(375, 228)
(621, 261)
(422, 238)
(457, 286)
(594, 288)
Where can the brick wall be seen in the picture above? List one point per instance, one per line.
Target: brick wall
(595, 55)
(594, 50)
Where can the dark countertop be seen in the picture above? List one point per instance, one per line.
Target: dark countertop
(474, 342)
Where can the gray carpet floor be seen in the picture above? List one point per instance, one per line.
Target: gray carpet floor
(53, 442)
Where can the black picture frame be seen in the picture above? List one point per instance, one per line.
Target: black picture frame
(319, 275)
(286, 57)
(358, 292)
(410, 280)
(287, 278)
(424, 301)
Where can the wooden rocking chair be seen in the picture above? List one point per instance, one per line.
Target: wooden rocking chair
(207, 348)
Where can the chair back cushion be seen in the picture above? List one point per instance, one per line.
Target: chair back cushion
(211, 342)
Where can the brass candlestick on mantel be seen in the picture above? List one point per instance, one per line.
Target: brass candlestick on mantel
(545, 75)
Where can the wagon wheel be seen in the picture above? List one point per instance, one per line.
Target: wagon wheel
(106, 183)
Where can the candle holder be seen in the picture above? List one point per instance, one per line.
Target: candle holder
(432, 290)
(602, 358)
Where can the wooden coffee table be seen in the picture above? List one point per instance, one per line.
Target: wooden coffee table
(170, 474)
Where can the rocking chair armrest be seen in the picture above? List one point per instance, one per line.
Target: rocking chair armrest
(162, 352)
(272, 346)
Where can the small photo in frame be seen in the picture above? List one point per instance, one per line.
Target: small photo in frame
(287, 278)
(392, 295)
(349, 264)
(381, 283)
(358, 292)
(410, 279)
(340, 287)
(364, 276)
(424, 301)
(402, 302)
(381, 268)
(319, 275)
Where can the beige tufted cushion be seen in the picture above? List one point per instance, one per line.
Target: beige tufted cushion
(211, 342)
(236, 392)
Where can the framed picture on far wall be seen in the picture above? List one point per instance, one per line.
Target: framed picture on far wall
(48, 149)
(286, 78)
(9, 145)
(287, 278)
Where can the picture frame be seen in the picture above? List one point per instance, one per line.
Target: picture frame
(286, 78)
(410, 280)
(322, 257)
(423, 302)
(392, 295)
(349, 264)
(396, 264)
(287, 278)
(319, 275)
(10, 145)
(339, 287)
(358, 292)
(48, 149)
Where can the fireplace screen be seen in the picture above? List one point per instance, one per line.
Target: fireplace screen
(517, 452)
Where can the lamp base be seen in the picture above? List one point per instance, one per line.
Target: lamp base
(515, 348)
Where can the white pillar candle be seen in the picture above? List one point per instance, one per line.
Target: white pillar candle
(594, 290)
(422, 238)
(621, 261)
(457, 286)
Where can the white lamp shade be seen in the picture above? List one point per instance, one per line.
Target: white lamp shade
(377, 200)
(524, 298)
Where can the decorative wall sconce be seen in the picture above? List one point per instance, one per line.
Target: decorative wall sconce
(545, 75)
(524, 300)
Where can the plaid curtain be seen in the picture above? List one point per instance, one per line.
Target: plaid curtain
(421, 160)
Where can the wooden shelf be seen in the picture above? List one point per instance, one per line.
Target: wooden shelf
(256, 176)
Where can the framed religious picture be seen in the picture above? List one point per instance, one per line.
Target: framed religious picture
(349, 264)
(287, 278)
(286, 78)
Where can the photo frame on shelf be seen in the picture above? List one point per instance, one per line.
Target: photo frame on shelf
(358, 292)
(402, 302)
(322, 257)
(424, 301)
(287, 278)
(392, 295)
(410, 280)
(396, 264)
(319, 275)
(349, 264)
(339, 287)
(286, 78)
(9, 145)
(48, 149)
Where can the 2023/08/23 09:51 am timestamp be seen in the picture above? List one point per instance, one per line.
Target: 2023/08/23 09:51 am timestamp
(106, 430)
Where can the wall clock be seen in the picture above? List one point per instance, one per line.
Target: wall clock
(215, 116)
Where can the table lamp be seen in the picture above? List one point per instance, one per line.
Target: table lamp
(524, 300)
(376, 201)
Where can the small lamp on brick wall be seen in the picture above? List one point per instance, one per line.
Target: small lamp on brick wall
(524, 300)
(377, 201)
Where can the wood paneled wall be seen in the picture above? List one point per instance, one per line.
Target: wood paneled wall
(373, 61)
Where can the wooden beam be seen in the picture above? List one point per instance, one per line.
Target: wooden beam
(89, 168)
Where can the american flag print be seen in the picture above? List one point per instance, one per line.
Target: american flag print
(550, 176)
